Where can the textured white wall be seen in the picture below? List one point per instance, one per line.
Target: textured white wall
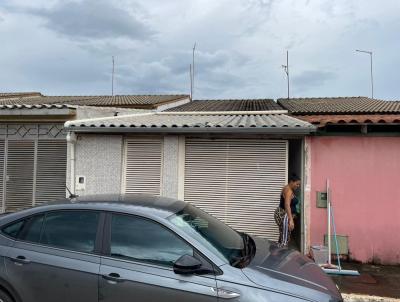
(172, 105)
(87, 112)
(169, 185)
(99, 159)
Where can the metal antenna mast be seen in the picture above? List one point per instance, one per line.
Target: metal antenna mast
(194, 48)
(112, 77)
(372, 78)
(286, 70)
(191, 81)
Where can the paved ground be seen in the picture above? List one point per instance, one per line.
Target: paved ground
(367, 298)
(376, 283)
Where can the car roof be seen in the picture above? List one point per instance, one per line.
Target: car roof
(144, 204)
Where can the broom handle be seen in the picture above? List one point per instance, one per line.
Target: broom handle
(328, 198)
(336, 242)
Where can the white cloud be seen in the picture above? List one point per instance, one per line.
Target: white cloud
(241, 46)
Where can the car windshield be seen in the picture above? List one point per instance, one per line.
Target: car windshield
(216, 235)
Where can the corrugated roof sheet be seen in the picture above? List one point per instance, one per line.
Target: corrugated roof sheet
(103, 101)
(339, 105)
(228, 105)
(163, 120)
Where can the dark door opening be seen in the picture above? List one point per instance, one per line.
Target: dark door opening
(296, 167)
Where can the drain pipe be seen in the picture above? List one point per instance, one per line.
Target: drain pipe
(71, 140)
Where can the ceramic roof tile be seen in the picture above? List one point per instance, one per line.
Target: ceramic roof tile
(339, 105)
(228, 105)
(101, 101)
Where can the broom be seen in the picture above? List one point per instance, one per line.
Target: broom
(330, 268)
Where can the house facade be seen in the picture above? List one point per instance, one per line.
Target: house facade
(33, 141)
(232, 164)
(357, 149)
(229, 157)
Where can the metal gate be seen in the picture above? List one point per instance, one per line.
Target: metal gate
(237, 180)
(33, 163)
(20, 168)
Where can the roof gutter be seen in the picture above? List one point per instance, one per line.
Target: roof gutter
(247, 130)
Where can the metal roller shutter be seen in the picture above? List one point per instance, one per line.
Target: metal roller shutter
(20, 168)
(237, 180)
(50, 170)
(2, 155)
(143, 161)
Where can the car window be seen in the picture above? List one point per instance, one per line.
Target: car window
(74, 230)
(32, 229)
(145, 240)
(13, 230)
(217, 236)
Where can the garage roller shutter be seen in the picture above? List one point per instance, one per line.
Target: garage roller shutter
(237, 180)
(2, 153)
(143, 165)
(51, 170)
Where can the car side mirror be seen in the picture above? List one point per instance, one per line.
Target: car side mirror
(187, 265)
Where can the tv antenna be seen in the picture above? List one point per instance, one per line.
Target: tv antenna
(191, 82)
(372, 78)
(192, 73)
(286, 70)
(112, 77)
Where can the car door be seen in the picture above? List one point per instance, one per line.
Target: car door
(138, 265)
(53, 258)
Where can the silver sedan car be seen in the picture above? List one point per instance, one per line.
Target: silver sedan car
(145, 248)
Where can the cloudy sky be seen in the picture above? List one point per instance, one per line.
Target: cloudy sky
(64, 47)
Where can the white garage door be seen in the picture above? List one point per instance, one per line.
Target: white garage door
(237, 180)
(143, 165)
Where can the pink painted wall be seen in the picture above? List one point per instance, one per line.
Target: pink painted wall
(364, 174)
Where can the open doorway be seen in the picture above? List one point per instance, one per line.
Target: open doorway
(296, 167)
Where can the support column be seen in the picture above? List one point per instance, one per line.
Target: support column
(170, 169)
(307, 194)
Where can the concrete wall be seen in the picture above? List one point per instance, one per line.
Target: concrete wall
(99, 159)
(173, 104)
(307, 194)
(88, 112)
(170, 169)
(364, 177)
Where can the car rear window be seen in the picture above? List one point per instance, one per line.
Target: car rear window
(28, 229)
(13, 229)
(73, 230)
(32, 229)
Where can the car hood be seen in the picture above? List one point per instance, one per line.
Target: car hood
(276, 267)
